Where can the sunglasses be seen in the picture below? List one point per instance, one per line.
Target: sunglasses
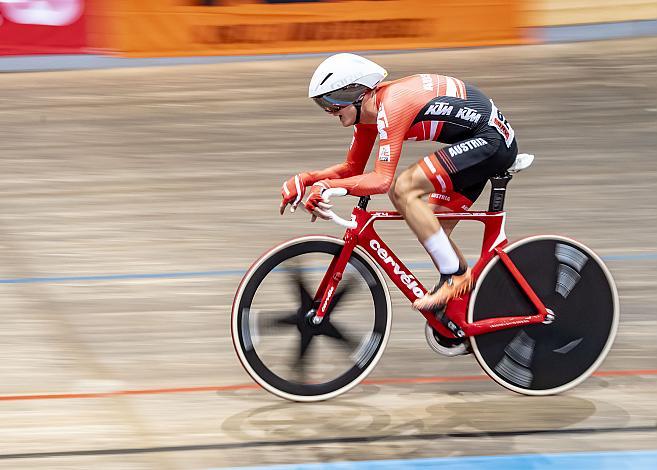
(336, 100)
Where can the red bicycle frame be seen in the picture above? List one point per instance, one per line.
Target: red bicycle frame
(494, 240)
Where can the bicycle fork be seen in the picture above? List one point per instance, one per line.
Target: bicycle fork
(333, 276)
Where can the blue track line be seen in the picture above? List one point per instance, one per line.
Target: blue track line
(634, 460)
(240, 272)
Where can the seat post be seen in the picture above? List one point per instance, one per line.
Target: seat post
(498, 191)
(362, 202)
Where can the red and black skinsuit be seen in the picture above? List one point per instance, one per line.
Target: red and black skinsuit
(428, 107)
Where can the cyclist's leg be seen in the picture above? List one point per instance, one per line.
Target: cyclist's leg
(474, 167)
(406, 194)
(461, 166)
(457, 179)
(455, 202)
(429, 176)
(469, 166)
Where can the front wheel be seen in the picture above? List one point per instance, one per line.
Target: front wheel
(273, 333)
(574, 284)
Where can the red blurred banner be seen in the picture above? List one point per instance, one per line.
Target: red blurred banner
(42, 27)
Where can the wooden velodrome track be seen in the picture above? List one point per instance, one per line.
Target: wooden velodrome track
(132, 199)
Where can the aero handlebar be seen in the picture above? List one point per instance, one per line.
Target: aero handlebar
(326, 196)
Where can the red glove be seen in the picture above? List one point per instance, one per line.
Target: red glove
(293, 191)
(315, 198)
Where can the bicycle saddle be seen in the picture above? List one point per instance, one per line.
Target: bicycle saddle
(523, 160)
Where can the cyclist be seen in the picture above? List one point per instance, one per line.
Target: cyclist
(419, 107)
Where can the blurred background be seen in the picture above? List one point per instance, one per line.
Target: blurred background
(142, 149)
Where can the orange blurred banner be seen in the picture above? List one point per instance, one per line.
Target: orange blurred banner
(140, 28)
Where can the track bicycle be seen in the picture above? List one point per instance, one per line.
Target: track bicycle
(312, 316)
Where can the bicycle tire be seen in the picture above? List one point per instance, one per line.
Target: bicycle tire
(373, 348)
(546, 359)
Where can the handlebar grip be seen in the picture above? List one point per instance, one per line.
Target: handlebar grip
(326, 196)
(340, 221)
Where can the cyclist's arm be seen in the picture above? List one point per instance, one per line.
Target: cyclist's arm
(375, 182)
(379, 180)
(357, 156)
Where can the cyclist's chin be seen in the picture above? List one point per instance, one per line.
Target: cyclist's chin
(346, 121)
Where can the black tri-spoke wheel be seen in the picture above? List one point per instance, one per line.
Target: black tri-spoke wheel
(576, 286)
(273, 331)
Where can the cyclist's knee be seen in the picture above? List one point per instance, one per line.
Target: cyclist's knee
(402, 189)
(396, 190)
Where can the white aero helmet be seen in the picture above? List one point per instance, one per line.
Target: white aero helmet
(343, 79)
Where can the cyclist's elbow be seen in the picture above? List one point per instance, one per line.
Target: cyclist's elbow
(352, 169)
(386, 184)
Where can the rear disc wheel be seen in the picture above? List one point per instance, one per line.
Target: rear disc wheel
(574, 284)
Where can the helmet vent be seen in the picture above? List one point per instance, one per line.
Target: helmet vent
(326, 78)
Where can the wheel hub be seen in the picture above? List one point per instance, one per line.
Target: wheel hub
(549, 318)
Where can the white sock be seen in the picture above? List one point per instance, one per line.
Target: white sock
(442, 253)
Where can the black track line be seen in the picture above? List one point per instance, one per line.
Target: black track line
(336, 440)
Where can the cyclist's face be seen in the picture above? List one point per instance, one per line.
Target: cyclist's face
(347, 115)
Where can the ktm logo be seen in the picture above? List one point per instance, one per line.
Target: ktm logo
(439, 109)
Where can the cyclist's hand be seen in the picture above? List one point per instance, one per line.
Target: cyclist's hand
(292, 192)
(315, 204)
